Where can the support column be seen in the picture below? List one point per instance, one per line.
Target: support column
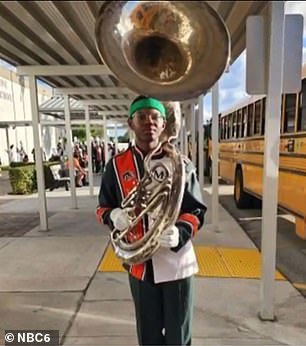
(131, 136)
(201, 142)
(105, 139)
(38, 155)
(275, 22)
(193, 135)
(182, 132)
(185, 137)
(215, 157)
(8, 144)
(116, 138)
(69, 152)
(89, 151)
(187, 128)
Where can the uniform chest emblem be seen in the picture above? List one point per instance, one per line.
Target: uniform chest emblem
(128, 175)
(160, 173)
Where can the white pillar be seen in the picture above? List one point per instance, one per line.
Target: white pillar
(187, 113)
(185, 135)
(8, 144)
(271, 157)
(89, 151)
(69, 152)
(131, 135)
(193, 137)
(182, 133)
(105, 139)
(38, 155)
(116, 137)
(201, 141)
(215, 157)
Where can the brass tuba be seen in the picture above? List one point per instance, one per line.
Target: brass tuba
(157, 197)
(170, 50)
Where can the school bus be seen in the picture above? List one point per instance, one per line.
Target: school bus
(241, 152)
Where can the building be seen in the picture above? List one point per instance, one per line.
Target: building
(15, 116)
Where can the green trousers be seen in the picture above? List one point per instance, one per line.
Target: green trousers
(163, 311)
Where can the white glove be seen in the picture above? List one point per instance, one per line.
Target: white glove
(120, 218)
(169, 237)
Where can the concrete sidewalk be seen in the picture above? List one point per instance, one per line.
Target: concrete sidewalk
(49, 280)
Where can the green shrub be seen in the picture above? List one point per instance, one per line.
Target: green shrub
(21, 179)
(21, 164)
(4, 168)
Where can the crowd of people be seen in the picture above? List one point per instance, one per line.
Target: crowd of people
(80, 156)
(17, 154)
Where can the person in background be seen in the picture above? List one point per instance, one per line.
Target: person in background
(25, 159)
(11, 154)
(79, 171)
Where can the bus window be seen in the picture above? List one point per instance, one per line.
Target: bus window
(223, 128)
(289, 121)
(263, 117)
(244, 122)
(301, 125)
(257, 117)
(234, 124)
(229, 126)
(250, 120)
(239, 122)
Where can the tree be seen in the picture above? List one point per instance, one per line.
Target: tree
(80, 132)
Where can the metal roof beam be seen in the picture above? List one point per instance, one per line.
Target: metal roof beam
(110, 113)
(62, 70)
(106, 102)
(92, 91)
(4, 124)
(83, 122)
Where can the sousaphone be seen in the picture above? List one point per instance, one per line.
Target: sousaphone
(170, 50)
(173, 51)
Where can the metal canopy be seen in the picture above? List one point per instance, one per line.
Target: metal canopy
(62, 33)
(55, 107)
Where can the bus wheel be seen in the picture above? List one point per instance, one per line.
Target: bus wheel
(242, 199)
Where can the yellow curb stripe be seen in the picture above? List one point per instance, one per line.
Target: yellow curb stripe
(110, 263)
(299, 286)
(212, 261)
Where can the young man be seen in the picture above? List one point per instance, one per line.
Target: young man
(162, 286)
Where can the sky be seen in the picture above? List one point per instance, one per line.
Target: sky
(232, 83)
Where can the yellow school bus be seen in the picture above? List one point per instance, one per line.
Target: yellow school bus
(241, 153)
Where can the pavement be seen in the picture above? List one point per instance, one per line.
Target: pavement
(49, 280)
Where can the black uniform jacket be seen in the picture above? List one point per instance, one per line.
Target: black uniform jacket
(121, 173)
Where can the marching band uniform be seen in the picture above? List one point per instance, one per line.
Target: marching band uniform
(162, 286)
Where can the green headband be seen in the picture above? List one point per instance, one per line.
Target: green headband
(147, 103)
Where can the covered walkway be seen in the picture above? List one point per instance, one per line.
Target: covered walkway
(55, 42)
(56, 281)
